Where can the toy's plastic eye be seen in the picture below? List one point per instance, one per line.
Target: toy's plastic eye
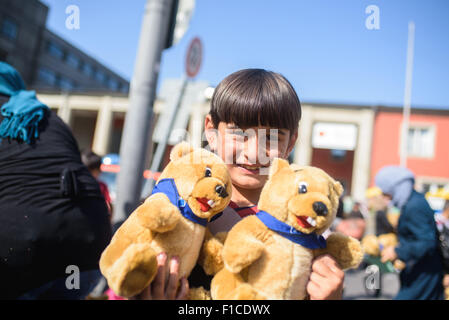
(302, 187)
(208, 172)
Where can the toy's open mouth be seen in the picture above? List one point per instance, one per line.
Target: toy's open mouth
(205, 204)
(306, 222)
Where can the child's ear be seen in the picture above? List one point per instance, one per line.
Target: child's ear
(277, 165)
(292, 142)
(180, 150)
(210, 132)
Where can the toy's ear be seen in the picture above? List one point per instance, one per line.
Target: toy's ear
(338, 188)
(180, 150)
(277, 165)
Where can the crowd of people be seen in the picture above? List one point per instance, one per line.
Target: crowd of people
(55, 213)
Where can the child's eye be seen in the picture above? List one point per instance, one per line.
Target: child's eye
(302, 187)
(208, 172)
(239, 133)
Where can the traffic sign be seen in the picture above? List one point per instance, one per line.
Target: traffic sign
(194, 57)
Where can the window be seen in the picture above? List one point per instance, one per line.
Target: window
(73, 60)
(88, 70)
(55, 50)
(113, 84)
(100, 76)
(47, 76)
(421, 141)
(9, 28)
(66, 84)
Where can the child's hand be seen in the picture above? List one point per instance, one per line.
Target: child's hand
(388, 254)
(326, 279)
(160, 289)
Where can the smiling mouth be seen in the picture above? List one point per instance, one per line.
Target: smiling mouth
(252, 169)
(306, 222)
(205, 204)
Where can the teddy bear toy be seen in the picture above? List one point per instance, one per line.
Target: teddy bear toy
(373, 246)
(269, 255)
(192, 188)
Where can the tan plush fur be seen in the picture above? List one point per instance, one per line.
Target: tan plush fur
(372, 246)
(261, 264)
(129, 262)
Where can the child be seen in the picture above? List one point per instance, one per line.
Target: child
(93, 162)
(245, 108)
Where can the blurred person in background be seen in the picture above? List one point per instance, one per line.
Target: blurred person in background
(93, 163)
(54, 223)
(442, 221)
(418, 243)
(379, 205)
(351, 222)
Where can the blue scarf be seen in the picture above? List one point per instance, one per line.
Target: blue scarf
(23, 112)
(310, 241)
(168, 187)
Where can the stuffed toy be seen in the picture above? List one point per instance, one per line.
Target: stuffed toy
(269, 255)
(193, 187)
(373, 246)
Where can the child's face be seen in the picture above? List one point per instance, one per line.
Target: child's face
(248, 152)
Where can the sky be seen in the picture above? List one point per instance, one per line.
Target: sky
(322, 47)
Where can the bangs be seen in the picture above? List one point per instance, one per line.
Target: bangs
(256, 97)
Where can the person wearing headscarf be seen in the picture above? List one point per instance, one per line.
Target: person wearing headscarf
(418, 243)
(54, 222)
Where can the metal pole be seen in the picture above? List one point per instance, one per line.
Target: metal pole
(160, 151)
(407, 93)
(137, 128)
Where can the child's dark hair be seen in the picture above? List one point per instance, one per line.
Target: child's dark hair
(91, 160)
(253, 97)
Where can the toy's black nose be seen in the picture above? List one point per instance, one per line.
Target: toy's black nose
(221, 191)
(320, 208)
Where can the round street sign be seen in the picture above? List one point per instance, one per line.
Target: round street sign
(194, 57)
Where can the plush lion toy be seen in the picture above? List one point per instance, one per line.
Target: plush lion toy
(193, 188)
(269, 255)
(373, 246)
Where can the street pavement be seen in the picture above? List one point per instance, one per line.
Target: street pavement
(356, 282)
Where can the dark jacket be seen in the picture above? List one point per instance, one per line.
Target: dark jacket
(383, 226)
(418, 248)
(52, 213)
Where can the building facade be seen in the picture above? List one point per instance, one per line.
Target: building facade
(427, 144)
(45, 60)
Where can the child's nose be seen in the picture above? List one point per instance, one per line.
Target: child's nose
(256, 150)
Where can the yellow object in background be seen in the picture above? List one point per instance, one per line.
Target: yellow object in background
(373, 192)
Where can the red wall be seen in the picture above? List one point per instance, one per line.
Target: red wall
(338, 169)
(386, 141)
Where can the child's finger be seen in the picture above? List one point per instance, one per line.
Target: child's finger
(158, 285)
(183, 290)
(172, 284)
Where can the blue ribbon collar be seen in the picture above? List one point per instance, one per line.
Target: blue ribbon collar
(168, 187)
(310, 241)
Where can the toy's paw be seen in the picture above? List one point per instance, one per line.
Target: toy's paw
(346, 250)
(133, 271)
(211, 259)
(199, 294)
(158, 214)
(245, 292)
